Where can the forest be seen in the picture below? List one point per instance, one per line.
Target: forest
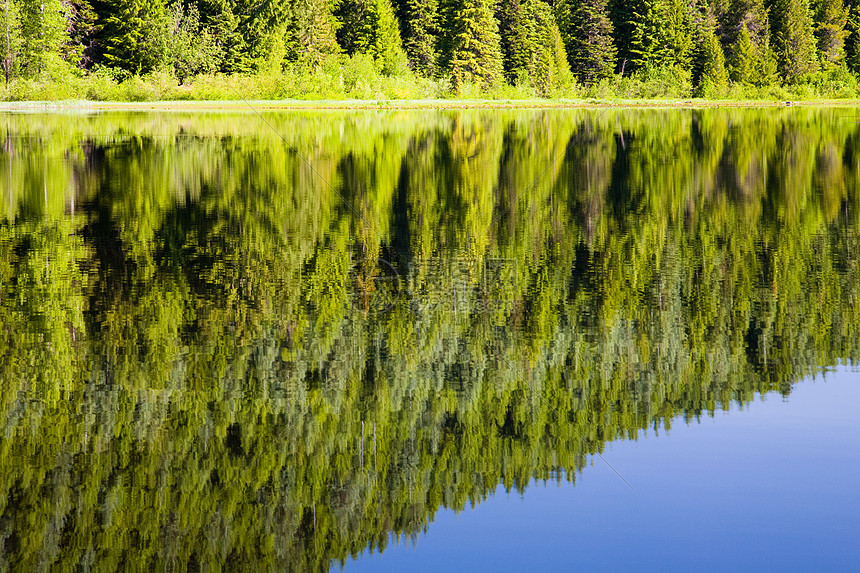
(272, 49)
(200, 377)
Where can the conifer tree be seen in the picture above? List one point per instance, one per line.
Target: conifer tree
(740, 14)
(421, 35)
(793, 38)
(191, 47)
(852, 39)
(586, 30)
(744, 62)
(532, 46)
(659, 32)
(474, 50)
(751, 61)
(311, 32)
(226, 27)
(831, 17)
(713, 81)
(370, 27)
(80, 31)
(649, 44)
(135, 34)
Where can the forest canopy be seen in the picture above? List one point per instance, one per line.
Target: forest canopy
(660, 48)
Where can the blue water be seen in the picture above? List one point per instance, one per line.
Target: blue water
(770, 487)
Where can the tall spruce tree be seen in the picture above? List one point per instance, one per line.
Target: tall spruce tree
(532, 46)
(751, 61)
(474, 53)
(586, 30)
(852, 39)
(370, 27)
(191, 47)
(739, 14)
(649, 43)
(421, 35)
(226, 26)
(653, 33)
(134, 34)
(830, 18)
(311, 32)
(793, 39)
(713, 79)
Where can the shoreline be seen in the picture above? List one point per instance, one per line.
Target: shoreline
(366, 105)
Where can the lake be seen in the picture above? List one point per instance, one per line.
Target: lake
(599, 339)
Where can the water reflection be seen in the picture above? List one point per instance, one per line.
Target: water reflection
(272, 343)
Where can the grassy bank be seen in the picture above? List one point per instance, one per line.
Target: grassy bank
(358, 80)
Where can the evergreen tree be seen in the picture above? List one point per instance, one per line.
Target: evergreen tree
(421, 35)
(474, 51)
(649, 45)
(751, 63)
(262, 27)
(532, 46)
(794, 39)
(80, 29)
(586, 30)
(744, 62)
(743, 14)
(713, 81)
(311, 32)
(134, 34)
(370, 27)
(655, 32)
(192, 49)
(831, 17)
(225, 24)
(852, 39)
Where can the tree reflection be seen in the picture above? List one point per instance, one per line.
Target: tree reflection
(195, 373)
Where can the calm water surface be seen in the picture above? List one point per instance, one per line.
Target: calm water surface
(478, 340)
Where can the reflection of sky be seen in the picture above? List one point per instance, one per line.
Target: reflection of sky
(775, 487)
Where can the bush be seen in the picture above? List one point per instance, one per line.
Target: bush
(657, 82)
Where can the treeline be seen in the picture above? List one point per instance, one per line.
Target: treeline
(197, 374)
(686, 47)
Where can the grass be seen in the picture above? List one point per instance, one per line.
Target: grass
(356, 82)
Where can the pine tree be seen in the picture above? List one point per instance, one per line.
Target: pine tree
(586, 30)
(744, 60)
(752, 63)
(532, 47)
(714, 79)
(225, 25)
(474, 52)
(749, 14)
(192, 49)
(852, 40)
(370, 27)
(649, 45)
(421, 36)
(261, 32)
(794, 40)
(311, 32)
(135, 34)
(831, 17)
(656, 32)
